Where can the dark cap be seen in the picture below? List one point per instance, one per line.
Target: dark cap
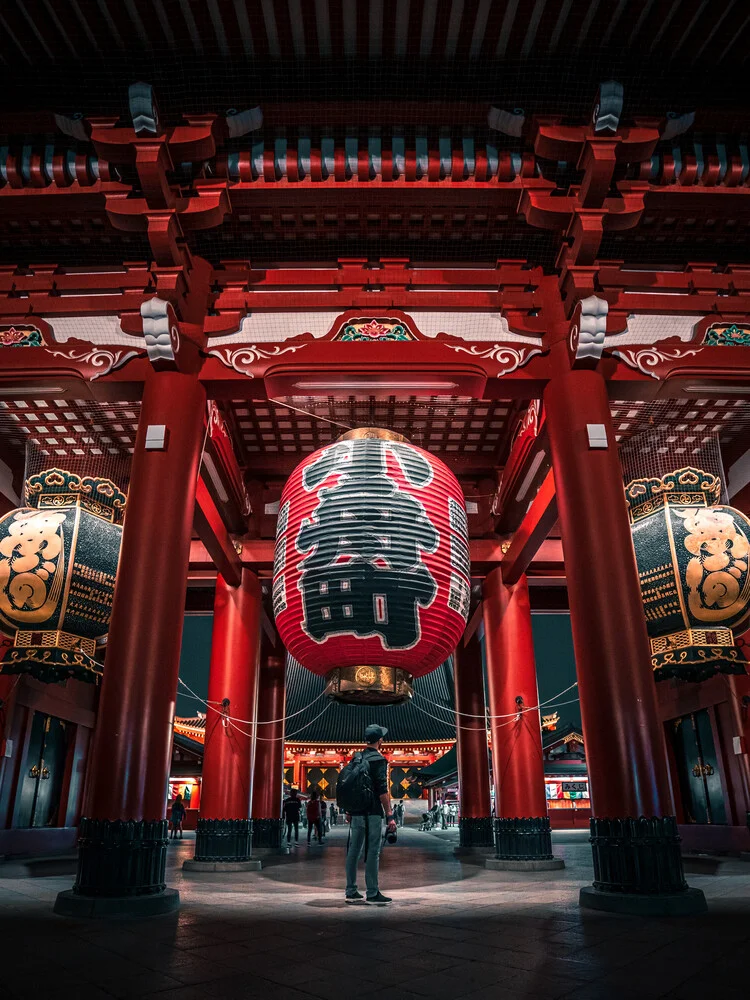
(374, 733)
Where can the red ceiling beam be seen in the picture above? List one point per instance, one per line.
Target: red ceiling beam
(486, 554)
(210, 528)
(533, 530)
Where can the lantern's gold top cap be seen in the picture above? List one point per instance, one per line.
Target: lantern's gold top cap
(372, 434)
(688, 486)
(60, 488)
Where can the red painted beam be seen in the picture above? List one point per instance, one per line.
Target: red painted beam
(486, 553)
(533, 530)
(214, 535)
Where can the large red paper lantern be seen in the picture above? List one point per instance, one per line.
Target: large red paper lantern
(372, 568)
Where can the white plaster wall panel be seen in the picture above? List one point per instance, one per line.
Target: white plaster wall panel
(468, 326)
(94, 329)
(264, 327)
(648, 328)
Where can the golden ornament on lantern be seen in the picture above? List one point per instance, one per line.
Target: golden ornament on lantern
(58, 560)
(692, 555)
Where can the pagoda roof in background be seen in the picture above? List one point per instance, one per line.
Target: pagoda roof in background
(568, 732)
(411, 722)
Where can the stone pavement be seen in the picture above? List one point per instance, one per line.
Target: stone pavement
(454, 931)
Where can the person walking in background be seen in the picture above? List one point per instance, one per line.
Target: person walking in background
(178, 816)
(363, 794)
(313, 818)
(323, 815)
(291, 811)
(333, 813)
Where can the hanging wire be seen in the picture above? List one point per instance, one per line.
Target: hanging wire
(307, 413)
(516, 715)
(486, 715)
(286, 736)
(248, 722)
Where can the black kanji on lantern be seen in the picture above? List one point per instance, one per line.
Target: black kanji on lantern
(364, 575)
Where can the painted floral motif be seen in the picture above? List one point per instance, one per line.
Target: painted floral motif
(375, 330)
(727, 335)
(21, 336)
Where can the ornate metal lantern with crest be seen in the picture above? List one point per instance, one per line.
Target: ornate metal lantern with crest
(58, 560)
(371, 575)
(692, 556)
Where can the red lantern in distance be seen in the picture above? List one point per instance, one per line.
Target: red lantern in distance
(372, 567)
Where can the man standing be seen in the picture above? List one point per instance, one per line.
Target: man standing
(365, 827)
(291, 811)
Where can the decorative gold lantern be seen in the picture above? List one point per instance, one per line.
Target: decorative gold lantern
(692, 557)
(58, 560)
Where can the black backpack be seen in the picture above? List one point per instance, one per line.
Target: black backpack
(354, 792)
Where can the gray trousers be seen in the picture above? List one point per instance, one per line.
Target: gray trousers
(374, 825)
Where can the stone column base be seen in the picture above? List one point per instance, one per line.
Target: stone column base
(119, 859)
(252, 865)
(473, 852)
(268, 834)
(638, 868)
(533, 865)
(523, 838)
(475, 833)
(223, 840)
(71, 904)
(677, 904)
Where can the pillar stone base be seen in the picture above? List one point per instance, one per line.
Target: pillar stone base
(253, 865)
(637, 855)
(475, 834)
(71, 904)
(538, 865)
(523, 839)
(676, 904)
(268, 834)
(121, 870)
(223, 841)
(121, 857)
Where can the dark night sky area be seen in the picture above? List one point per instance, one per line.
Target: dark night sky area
(553, 647)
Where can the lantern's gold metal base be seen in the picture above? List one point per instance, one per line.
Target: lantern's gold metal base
(367, 685)
(57, 639)
(691, 637)
(372, 434)
(52, 656)
(696, 654)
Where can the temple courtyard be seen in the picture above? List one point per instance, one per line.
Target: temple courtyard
(454, 930)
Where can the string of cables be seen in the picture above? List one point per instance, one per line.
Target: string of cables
(486, 715)
(246, 722)
(516, 715)
(286, 736)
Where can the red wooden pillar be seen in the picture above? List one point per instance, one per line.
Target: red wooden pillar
(523, 836)
(517, 760)
(625, 750)
(475, 825)
(130, 756)
(223, 833)
(269, 755)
